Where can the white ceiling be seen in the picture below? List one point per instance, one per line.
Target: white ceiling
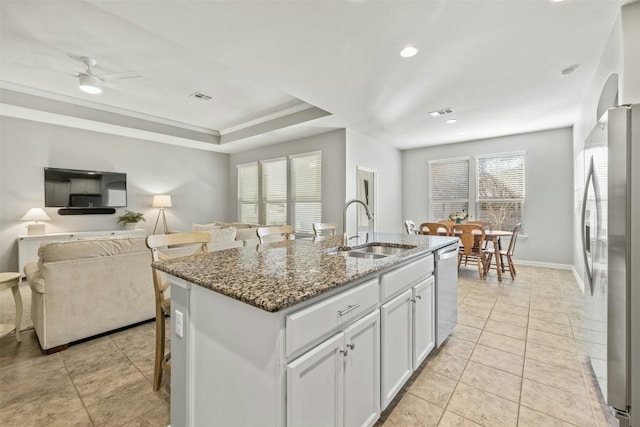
(275, 69)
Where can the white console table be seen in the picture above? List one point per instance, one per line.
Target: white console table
(28, 245)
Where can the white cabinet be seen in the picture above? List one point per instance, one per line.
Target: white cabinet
(396, 347)
(336, 383)
(407, 336)
(424, 339)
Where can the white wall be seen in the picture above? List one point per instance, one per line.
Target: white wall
(332, 145)
(368, 153)
(197, 180)
(547, 215)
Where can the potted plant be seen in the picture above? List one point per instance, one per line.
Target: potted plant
(130, 219)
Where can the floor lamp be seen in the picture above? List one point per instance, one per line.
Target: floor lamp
(161, 201)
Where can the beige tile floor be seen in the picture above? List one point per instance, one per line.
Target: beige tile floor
(515, 359)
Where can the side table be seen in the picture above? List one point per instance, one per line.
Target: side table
(12, 280)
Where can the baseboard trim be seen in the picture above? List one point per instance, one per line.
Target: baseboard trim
(578, 278)
(543, 264)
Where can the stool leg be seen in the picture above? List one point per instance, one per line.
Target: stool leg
(18, 300)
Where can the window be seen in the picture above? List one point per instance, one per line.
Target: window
(449, 187)
(306, 191)
(274, 191)
(500, 196)
(282, 191)
(248, 193)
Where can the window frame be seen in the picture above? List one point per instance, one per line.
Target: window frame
(467, 200)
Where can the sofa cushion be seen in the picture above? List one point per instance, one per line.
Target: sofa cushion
(223, 235)
(249, 233)
(205, 227)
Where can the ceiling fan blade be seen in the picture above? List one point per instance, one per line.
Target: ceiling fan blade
(45, 69)
(116, 76)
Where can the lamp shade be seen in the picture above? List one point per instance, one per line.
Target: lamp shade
(161, 201)
(36, 214)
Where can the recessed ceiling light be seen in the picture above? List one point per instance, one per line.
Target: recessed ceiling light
(569, 70)
(441, 112)
(408, 51)
(450, 121)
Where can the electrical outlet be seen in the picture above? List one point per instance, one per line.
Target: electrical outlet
(178, 320)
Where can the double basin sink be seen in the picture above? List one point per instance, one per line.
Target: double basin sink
(374, 250)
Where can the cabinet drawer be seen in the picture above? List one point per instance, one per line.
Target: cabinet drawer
(395, 281)
(317, 320)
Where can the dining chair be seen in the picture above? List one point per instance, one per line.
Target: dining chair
(434, 229)
(284, 231)
(508, 253)
(472, 245)
(448, 222)
(486, 225)
(159, 244)
(324, 228)
(410, 227)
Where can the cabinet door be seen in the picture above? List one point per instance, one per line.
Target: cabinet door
(362, 372)
(315, 384)
(423, 320)
(396, 346)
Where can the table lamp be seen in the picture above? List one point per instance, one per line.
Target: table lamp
(35, 214)
(161, 201)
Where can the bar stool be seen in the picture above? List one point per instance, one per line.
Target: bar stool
(12, 280)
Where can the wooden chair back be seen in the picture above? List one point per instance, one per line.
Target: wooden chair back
(449, 223)
(410, 227)
(471, 238)
(282, 230)
(434, 229)
(324, 228)
(514, 238)
(158, 243)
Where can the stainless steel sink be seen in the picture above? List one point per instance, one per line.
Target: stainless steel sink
(385, 250)
(357, 254)
(373, 250)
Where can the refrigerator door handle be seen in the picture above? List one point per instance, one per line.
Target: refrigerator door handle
(582, 226)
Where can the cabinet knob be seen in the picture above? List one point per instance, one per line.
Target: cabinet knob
(351, 346)
(344, 352)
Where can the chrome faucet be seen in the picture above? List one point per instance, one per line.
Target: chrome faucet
(345, 236)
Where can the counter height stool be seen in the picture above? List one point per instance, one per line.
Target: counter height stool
(319, 228)
(12, 280)
(284, 231)
(158, 243)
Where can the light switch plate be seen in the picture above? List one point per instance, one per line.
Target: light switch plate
(178, 321)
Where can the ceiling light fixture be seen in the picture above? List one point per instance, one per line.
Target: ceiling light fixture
(90, 84)
(451, 121)
(408, 52)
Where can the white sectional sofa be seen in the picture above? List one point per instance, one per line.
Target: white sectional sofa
(87, 287)
(83, 288)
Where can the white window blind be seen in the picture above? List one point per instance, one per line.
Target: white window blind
(274, 191)
(248, 197)
(449, 187)
(306, 189)
(501, 189)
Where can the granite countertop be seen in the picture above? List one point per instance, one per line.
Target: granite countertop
(279, 275)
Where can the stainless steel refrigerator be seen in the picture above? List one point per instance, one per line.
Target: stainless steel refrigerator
(610, 234)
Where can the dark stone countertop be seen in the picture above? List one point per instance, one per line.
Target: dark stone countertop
(279, 275)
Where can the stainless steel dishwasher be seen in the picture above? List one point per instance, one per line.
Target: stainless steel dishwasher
(446, 292)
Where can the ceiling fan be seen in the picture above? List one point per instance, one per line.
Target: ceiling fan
(92, 83)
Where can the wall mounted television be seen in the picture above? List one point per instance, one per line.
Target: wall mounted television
(84, 189)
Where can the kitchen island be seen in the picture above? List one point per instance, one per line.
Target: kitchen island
(302, 332)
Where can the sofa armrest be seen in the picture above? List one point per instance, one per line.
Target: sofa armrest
(35, 280)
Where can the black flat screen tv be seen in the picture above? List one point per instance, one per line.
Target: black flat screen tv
(72, 188)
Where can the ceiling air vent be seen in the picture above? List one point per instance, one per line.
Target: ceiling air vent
(441, 112)
(201, 96)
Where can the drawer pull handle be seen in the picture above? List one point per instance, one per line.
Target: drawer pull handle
(348, 309)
